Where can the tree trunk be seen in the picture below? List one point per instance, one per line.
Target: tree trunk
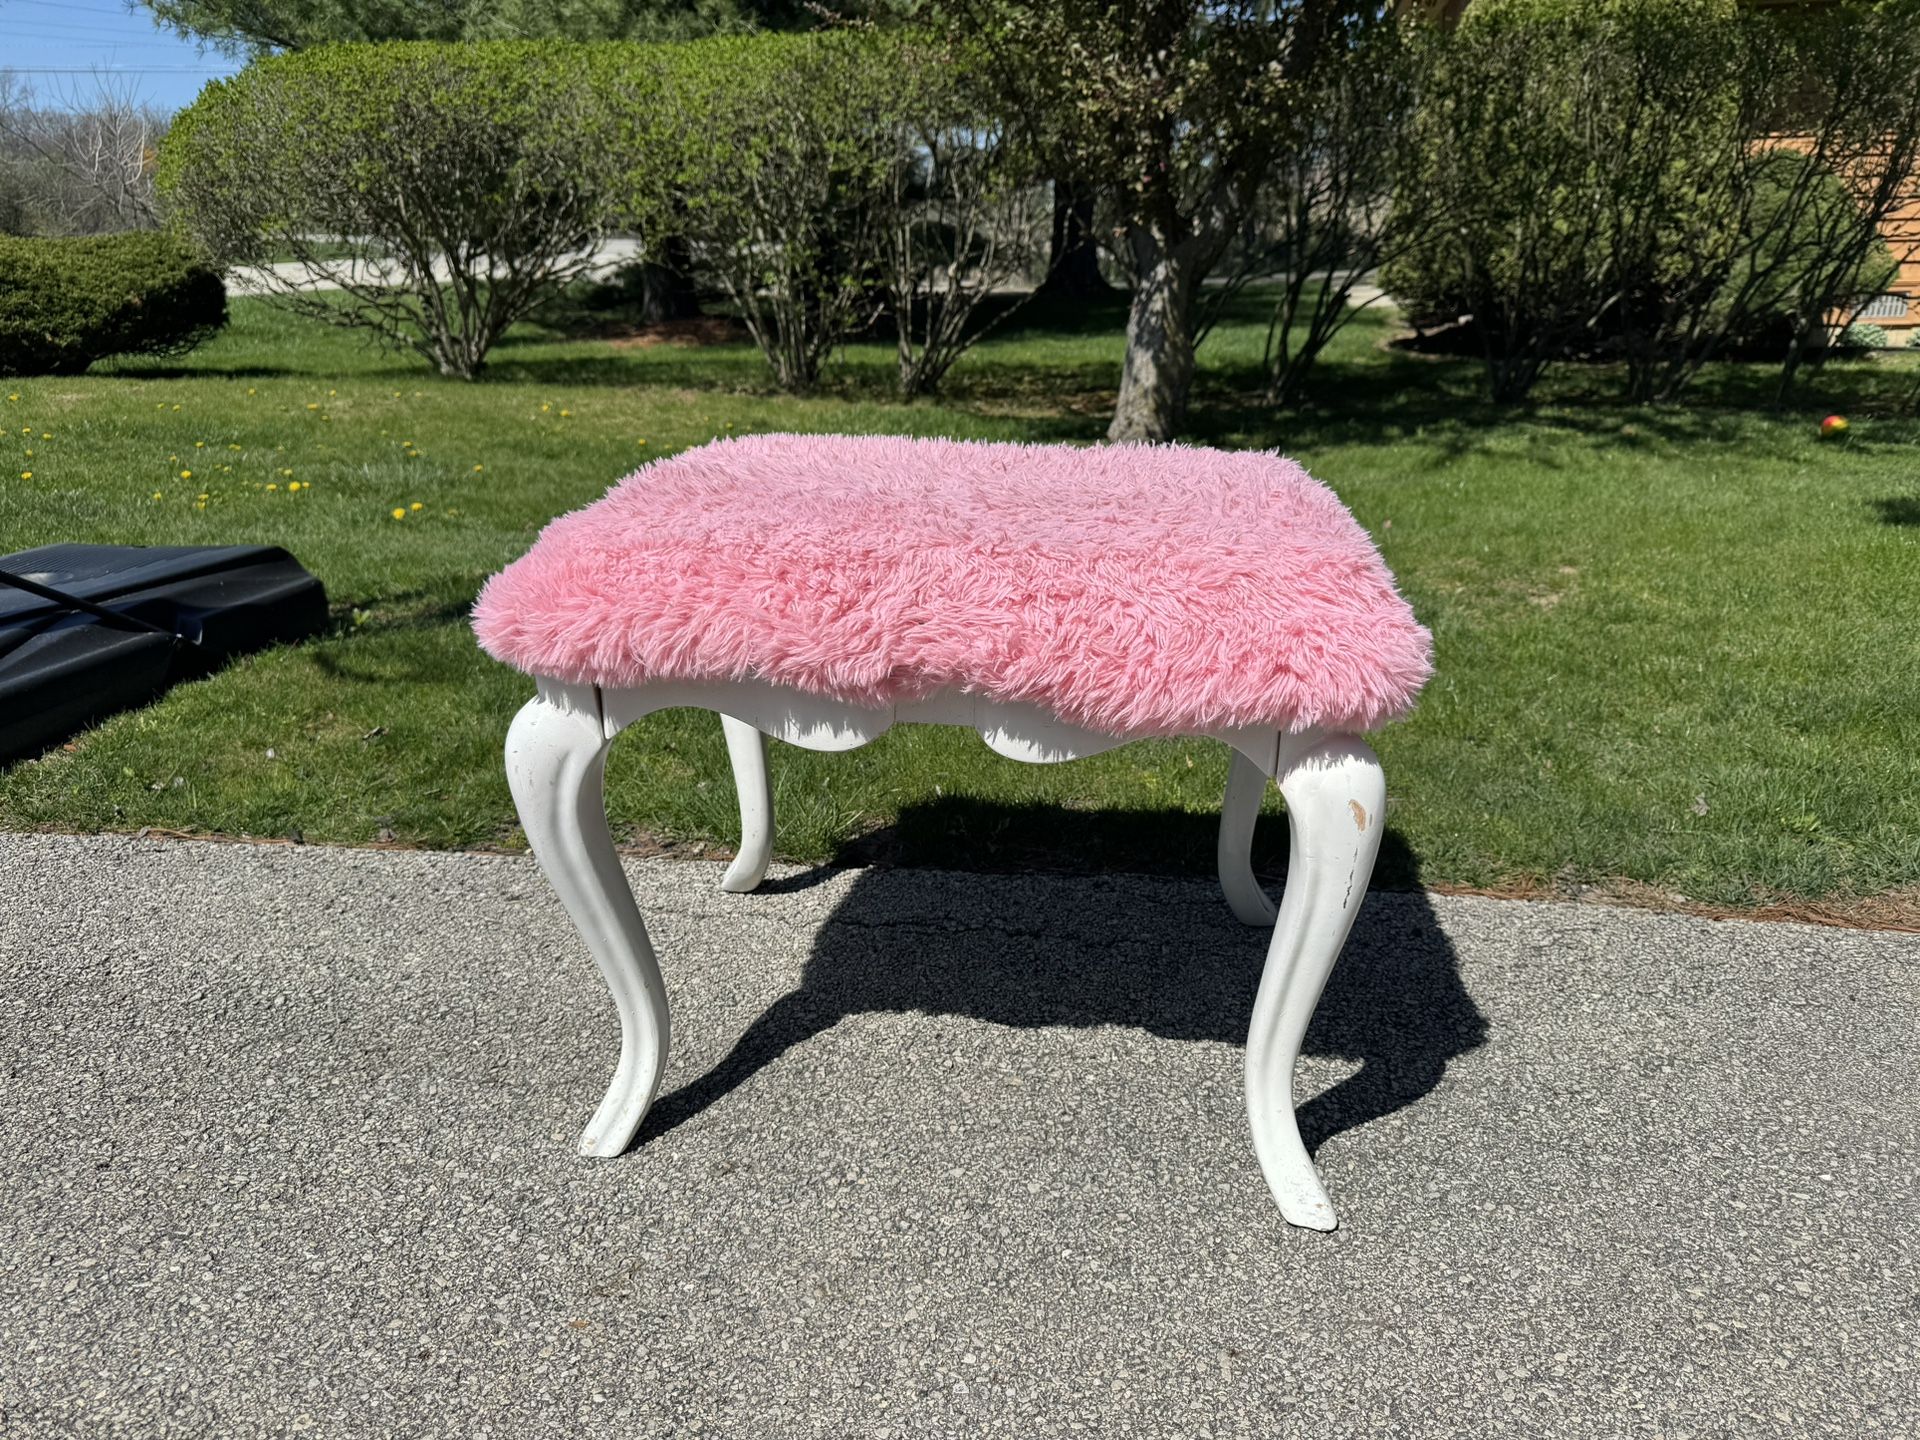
(1158, 370)
(1790, 366)
(1073, 256)
(666, 285)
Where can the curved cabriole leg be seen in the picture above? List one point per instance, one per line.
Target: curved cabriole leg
(1336, 812)
(1239, 809)
(556, 756)
(747, 749)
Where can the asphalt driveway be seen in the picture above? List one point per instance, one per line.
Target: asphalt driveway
(288, 1148)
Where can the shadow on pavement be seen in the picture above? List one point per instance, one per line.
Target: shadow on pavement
(1166, 959)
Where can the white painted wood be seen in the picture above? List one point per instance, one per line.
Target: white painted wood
(747, 750)
(1239, 809)
(817, 722)
(1028, 733)
(556, 756)
(1336, 801)
(812, 722)
(1336, 810)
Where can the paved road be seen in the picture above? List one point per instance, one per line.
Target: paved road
(609, 255)
(288, 1149)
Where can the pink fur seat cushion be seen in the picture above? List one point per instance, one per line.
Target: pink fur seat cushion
(1136, 590)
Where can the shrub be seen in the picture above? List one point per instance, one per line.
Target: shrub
(769, 155)
(1325, 218)
(1659, 181)
(1861, 335)
(444, 189)
(65, 303)
(1571, 146)
(1833, 122)
(819, 180)
(1783, 266)
(964, 210)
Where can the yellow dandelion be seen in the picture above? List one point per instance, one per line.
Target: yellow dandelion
(478, 468)
(416, 506)
(273, 487)
(286, 472)
(199, 504)
(13, 397)
(173, 459)
(252, 391)
(26, 474)
(29, 454)
(332, 393)
(545, 408)
(176, 407)
(159, 495)
(233, 447)
(186, 474)
(292, 485)
(566, 414)
(398, 513)
(313, 407)
(199, 444)
(26, 429)
(396, 394)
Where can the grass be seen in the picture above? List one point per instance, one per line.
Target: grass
(1677, 648)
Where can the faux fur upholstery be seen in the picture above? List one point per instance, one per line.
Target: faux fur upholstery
(1133, 589)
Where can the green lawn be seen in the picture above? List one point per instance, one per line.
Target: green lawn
(1676, 647)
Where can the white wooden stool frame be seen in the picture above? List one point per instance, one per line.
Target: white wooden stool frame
(1336, 804)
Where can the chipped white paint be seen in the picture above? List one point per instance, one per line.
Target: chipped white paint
(1335, 797)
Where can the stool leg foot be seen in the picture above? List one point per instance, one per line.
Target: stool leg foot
(1239, 809)
(1336, 811)
(556, 755)
(747, 749)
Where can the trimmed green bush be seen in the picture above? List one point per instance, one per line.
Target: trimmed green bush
(445, 190)
(1571, 146)
(1788, 233)
(65, 303)
(1862, 335)
(771, 156)
(821, 181)
(1659, 181)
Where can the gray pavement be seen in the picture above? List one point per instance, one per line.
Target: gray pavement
(288, 1149)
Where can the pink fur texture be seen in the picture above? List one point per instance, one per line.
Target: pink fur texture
(1133, 589)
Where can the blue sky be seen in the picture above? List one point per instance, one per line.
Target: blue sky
(58, 46)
